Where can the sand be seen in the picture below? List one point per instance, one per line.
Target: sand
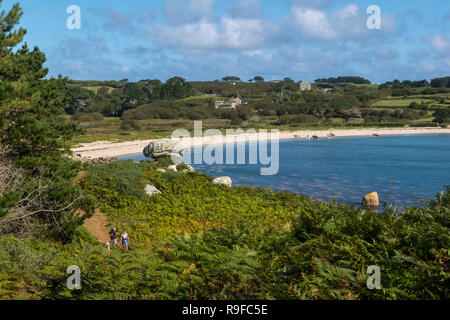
(109, 149)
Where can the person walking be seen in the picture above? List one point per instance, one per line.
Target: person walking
(125, 240)
(113, 235)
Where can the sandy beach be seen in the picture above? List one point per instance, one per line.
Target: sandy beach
(108, 149)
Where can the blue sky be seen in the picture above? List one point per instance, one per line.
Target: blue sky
(210, 39)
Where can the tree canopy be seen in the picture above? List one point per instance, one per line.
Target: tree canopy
(32, 133)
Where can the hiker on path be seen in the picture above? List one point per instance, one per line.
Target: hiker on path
(125, 240)
(113, 235)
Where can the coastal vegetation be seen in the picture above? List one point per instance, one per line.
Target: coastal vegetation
(197, 240)
(139, 111)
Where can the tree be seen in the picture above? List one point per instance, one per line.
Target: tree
(258, 79)
(30, 130)
(442, 116)
(231, 79)
(176, 88)
(441, 82)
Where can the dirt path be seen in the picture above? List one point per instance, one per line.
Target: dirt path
(96, 226)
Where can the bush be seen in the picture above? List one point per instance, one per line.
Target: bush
(123, 177)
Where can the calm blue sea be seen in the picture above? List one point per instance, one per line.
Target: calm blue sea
(402, 169)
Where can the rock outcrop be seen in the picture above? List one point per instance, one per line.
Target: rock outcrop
(223, 180)
(89, 160)
(371, 200)
(151, 190)
(164, 148)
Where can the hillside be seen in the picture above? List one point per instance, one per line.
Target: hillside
(201, 241)
(150, 108)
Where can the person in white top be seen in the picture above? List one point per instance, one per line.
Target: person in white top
(125, 240)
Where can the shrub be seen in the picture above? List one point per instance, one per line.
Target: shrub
(120, 177)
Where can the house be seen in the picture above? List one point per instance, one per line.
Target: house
(238, 101)
(219, 103)
(227, 105)
(325, 89)
(305, 86)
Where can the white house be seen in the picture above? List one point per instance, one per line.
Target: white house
(305, 86)
(230, 104)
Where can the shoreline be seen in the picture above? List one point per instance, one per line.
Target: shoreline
(108, 149)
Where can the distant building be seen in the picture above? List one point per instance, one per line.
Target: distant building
(305, 86)
(231, 104)
(226, 105)
(238, 101)
(325, 89)
(219, 103)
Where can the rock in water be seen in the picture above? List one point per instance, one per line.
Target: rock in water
(223, 180)
(151, 190)
(164, 148)
(371, 200)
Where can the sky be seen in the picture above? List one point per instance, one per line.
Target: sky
(210, 39)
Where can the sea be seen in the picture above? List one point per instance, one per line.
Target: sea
(405, 170)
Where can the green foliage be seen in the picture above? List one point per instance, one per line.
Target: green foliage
(119, 177)
(7, 200)
(323, 254)
(30, 127)
(182, 166)
(347, 79)
(442, 116)
(189, 202)
(114, 99)
(440, 82)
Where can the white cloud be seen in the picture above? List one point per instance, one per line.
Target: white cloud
(228, 34)
(313, 23)
(349, 12)
(199, 35)
(244, 33)
(350, 20)
(439, 43)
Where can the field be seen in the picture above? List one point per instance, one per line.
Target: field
(400, 102)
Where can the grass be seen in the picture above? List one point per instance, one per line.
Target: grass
(96, 88)
(399, 102)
